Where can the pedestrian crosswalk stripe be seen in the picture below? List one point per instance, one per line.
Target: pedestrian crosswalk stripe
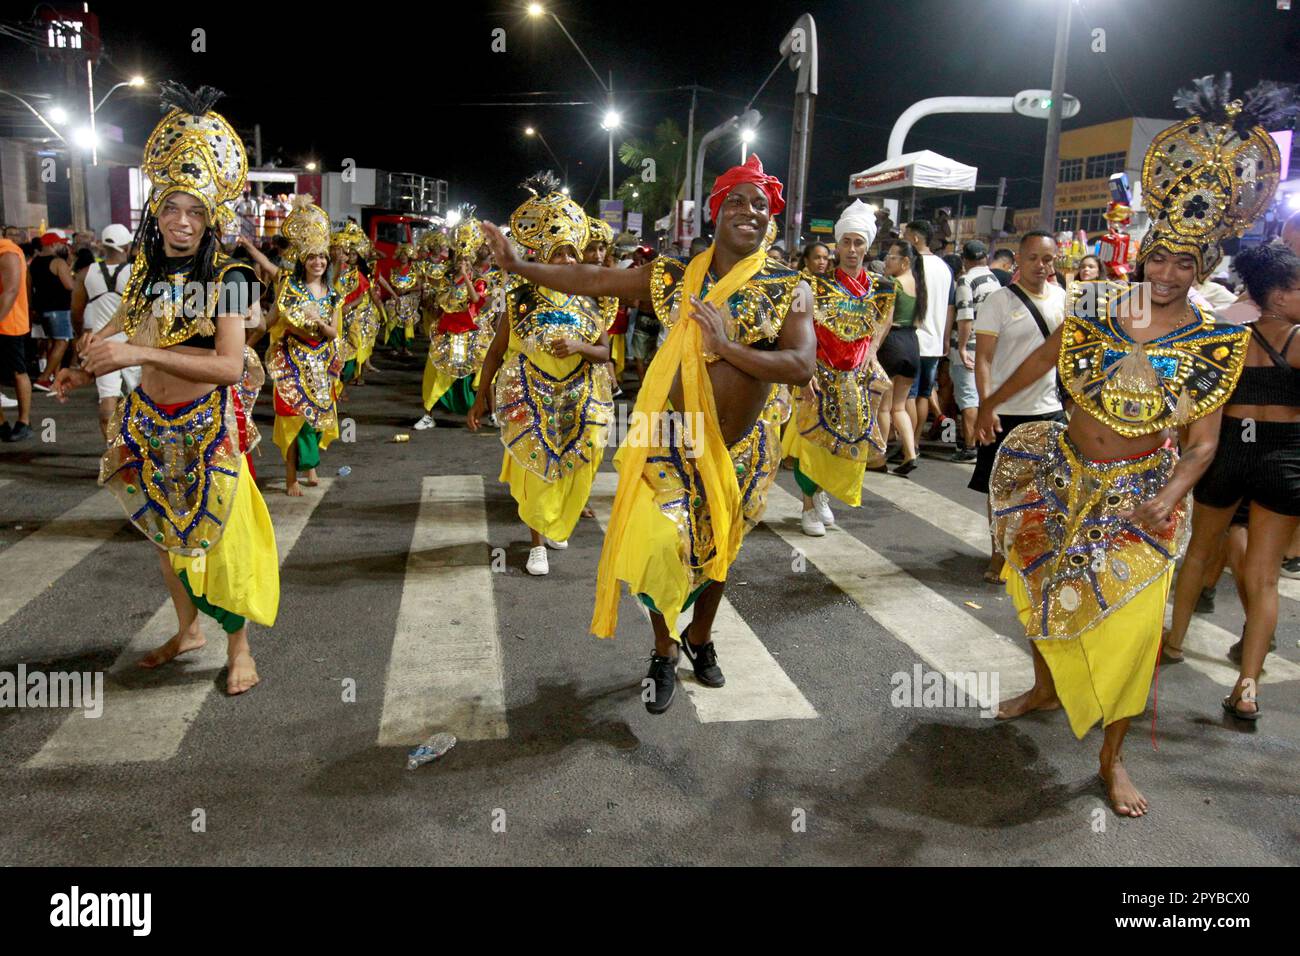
(1205, 646)
(147, 713)
(445, 671)
(36, 562)
(757, 687)
(946, 637)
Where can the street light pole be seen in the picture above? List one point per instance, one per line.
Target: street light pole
(611, 137)
(1051, 155)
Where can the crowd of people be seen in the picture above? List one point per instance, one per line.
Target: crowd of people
(1092, 409)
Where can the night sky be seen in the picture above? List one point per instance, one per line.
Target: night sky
(400, 87)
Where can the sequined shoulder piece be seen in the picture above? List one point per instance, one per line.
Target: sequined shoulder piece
(666, 275)
(1142, 388)
(851, 317)
(542, 314)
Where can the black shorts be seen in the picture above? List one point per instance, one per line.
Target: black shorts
(1264, 469)
(900, 353)
(979, 479)
(13, 356)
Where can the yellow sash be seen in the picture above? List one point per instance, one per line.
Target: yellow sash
(682, 349)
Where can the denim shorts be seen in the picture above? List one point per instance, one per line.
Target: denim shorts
(58, 325)
(923, 384)
(964, 392)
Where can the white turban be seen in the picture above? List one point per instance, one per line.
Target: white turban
(859, 218)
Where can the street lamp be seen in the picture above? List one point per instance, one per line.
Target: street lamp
(746, 137)
(83, 137)
(612, 118)
(311, 167)
(58, 115)
(135, 82)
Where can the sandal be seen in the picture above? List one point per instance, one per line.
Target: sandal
(1167, 654)
(992, 577)
(1231, 707)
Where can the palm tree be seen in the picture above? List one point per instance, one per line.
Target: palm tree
(655, 183)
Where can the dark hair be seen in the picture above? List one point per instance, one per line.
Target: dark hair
(918, 269)
(1101, 269)
(807, 251)
(953, 263)
(923, 227)
(281, 243)
(1037, 234)
(1267, 268)
(974, 251)
(999, 254)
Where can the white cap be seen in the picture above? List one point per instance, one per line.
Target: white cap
(859, 218)
(116, 236)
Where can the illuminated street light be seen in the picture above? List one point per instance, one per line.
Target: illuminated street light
(58, 115)
(311, 167)
(136, 81)
(565, 190)
(612, 121)
(453, 218)
(535, 10)
(83, 137)
(529, 131)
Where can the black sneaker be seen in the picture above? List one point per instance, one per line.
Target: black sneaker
(20, 432)
(907, 467)
(964, 455)
(1234, 652)
(704, 658)
(1291, 567)
(1205, 603)
(663, 671)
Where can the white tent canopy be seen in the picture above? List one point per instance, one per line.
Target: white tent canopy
(917, 175)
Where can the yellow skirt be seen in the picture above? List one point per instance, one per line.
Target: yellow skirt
(840, 477)
(551, 508)
(1105, 673)
(618, 354)
(435, 385)
(288, 426)
(241, 573)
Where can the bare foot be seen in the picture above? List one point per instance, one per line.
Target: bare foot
(241, 673)
(993, 573)
(1031, 700)
(293, 490)
(588, 513)
(182, 642)
(312, 479)
(1125, 798)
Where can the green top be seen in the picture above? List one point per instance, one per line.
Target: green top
(904, 310)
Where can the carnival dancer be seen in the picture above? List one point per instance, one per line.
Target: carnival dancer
(690, 482)
(434, 262)
(836, 426)
(464, 328)
(174, 459)
(600, 240)
(1091, 517)
(552, 397)
(404, 283)
(303, 357)
(360, 318)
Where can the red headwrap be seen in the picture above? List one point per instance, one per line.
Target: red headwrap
(751, 172)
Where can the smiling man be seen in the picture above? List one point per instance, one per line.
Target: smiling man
(1091, 517)
(740, 328)
(175, 458)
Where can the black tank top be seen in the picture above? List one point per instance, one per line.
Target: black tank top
(1265, 385)
(51, 296)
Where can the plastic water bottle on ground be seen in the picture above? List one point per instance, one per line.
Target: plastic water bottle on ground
(430, 750)
(345, 471)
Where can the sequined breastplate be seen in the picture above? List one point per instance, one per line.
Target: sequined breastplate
(1142, 388)
(296, 306)
(403, 281)
(851, 317)
(539, 315)
(174, 309)
(757, 310)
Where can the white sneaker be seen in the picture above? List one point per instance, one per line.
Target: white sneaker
(425, 423)
(492, 420)
(557, 545)
(822, 505)
(812, 524)
(7, 402)
(537, 563)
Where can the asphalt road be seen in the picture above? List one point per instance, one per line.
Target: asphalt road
(572, 770)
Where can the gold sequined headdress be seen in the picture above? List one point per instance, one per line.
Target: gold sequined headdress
(194, 150)
(350, 238)
(307, 227)
(432, 242)
(598, 230)
(1206, 179)
(549, 219)
(467, 238)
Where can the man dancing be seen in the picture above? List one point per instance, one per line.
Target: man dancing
(1091, 517)
(685, 493)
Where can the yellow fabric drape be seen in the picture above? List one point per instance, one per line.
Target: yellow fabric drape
(683, 349)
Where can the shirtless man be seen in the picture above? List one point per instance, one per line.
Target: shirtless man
(761, 335)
